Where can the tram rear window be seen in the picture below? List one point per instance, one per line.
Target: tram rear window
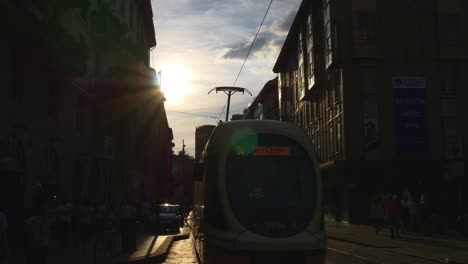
(272, 188)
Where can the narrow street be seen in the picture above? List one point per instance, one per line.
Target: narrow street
(339, 252)
(370, 249)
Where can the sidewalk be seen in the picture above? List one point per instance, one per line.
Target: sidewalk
(152, 249)
(149, 249)
(414, 244)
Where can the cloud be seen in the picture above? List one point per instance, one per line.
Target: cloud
(278, 43)
(241, 50)
(283, 24)
(270, 35)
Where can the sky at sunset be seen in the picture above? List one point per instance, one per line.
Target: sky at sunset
(201, 44)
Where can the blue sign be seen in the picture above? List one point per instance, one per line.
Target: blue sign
(411, 131)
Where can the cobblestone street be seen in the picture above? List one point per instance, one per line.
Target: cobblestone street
(182, 252)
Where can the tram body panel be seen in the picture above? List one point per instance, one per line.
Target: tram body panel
(229, 234)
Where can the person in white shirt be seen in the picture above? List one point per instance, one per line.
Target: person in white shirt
(64, 217)
(86, 221)
(4, 249)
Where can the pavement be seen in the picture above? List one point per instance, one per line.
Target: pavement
(427, 249)
(152, 249)
(432, 248)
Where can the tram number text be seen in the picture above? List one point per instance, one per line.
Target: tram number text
(275, 226)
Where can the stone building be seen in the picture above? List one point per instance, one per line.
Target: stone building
(378, 87)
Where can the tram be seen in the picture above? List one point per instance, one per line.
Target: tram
(258, 196)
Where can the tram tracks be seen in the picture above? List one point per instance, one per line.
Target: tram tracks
(371, 255)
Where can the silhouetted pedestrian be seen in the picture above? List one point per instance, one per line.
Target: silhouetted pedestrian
(37, 237)
(128, 227)
(378, 214)
(427, 205)
(393, 215)
(146, 210)
(462, 223)
(64, 220)
(85, 220)
(4, 247)
(405, 211)
(413, 215)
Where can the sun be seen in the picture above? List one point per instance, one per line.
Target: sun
(175, 82)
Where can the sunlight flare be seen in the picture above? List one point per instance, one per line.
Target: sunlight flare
(176, 82)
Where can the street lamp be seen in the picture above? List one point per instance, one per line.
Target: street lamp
(229, 90)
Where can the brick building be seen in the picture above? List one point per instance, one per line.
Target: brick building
(378, 87)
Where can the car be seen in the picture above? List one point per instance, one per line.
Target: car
(170, 217)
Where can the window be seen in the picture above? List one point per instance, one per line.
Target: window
(319, 147)
(370, 112)
(16, 76)
(364, 29)
(53, 96)
(449, 29)
(79, 113)
(131, 16)
(338, 136)
(331, 137)
(301, 75)
(122, 8)
(310, 57)
(309, 26)
(328, 32)
(337, 83)
(299, 44)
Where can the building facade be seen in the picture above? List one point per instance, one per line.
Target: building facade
(81, 116)
(181, 185)
(266, 104)
(237, 117)
(202, 134)
(381, 98)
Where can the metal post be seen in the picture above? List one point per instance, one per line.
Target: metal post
(228, 104)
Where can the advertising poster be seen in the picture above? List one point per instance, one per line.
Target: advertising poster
(410, 116)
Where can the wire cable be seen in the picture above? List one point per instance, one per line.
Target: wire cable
(248, 52)
(185, 113)
(222, 110)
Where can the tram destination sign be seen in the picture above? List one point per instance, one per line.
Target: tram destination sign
(266, 151)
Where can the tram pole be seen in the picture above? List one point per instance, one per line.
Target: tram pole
(228, 104)
(229, 90)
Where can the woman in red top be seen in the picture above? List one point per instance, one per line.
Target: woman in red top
(393, 215)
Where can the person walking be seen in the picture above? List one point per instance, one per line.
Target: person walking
(393, 215)
(378, 214)
(85, 222)
(37, 236)
(413, 215)
(4, 248)
(64, 220)
(405, 211)
(128, 227)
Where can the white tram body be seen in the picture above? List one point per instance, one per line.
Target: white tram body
(258, 198)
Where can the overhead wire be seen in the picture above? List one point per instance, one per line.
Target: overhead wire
(248, 53)
(186, 113)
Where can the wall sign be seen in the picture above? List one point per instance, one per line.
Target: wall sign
(410, 116)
